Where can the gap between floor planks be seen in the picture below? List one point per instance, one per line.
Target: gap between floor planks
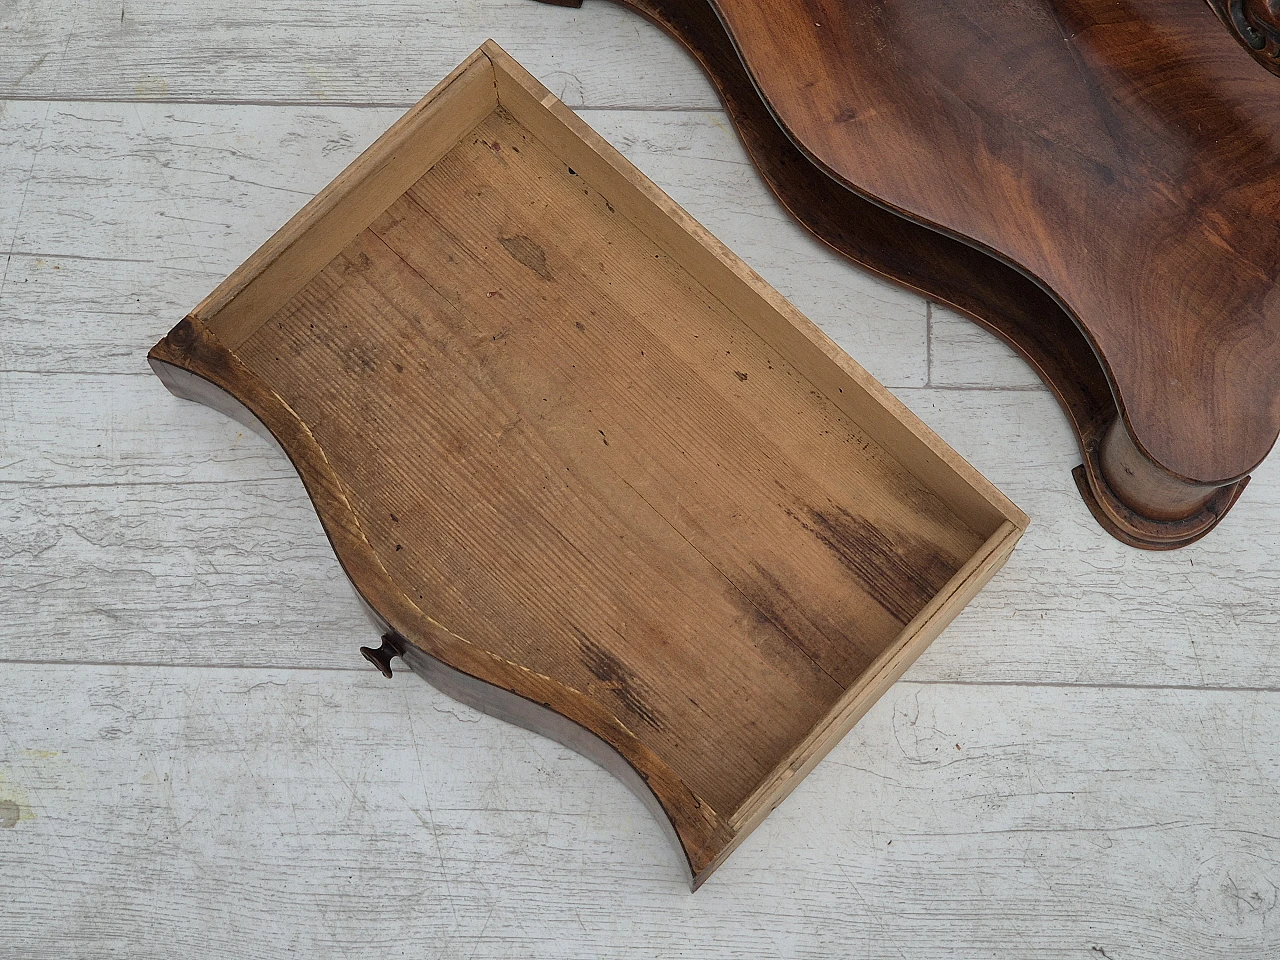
(363, 668)
(346, 104)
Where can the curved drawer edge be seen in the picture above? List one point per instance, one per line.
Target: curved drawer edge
(194, 365)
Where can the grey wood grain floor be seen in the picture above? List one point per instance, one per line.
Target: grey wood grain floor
(195, 761)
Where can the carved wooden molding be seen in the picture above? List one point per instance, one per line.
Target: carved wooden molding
(1256, 24)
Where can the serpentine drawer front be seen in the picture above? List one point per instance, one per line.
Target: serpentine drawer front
(586, 469)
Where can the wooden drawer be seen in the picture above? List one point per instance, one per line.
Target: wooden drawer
(590, 472)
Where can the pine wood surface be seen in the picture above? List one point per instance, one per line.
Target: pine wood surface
(443, 342)
(1117, 781)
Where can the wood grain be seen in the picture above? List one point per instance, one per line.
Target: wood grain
(447, 388)
(1086, 810)
(168, 502)
(1190, 105)
(344, 52)
(1032, 818)
(869, 90)
(133, 259)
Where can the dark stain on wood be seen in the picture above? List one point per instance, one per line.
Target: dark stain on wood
(769, 602)
(529, 253)
(617, 678)
(901, 572)
(10, 813)
(762, 600)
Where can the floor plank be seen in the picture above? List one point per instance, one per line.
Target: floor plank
(110, 473)
(1075, 606)
(343, 51)
(155, 203)
(277, 813)
(962, 354)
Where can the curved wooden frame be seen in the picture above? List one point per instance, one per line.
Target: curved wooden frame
(215, 356)
(1131, 495)
(193, 365)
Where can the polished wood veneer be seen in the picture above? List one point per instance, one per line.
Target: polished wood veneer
(587, 471)
(1097, 182)
(1256, 24)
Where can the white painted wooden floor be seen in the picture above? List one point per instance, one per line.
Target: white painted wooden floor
(194, 761)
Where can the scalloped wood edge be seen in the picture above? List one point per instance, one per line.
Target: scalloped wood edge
(952, 271)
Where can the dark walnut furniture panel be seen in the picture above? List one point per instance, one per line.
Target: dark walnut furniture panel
(1096, 181)
(1256, 24)
(586, 470)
